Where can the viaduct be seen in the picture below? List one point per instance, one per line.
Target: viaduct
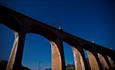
(98, 57)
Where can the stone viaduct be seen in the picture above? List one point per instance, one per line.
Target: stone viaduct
(98, 57)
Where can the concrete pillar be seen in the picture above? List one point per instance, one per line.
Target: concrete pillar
(103, 62)
(16, 52)
(78, 60)
(58, 61)
(92, 61)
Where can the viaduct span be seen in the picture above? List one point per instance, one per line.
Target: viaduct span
(98, 57)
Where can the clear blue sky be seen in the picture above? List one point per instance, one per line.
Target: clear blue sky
(93, 20)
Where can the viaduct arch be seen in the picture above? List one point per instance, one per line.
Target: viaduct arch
(98, 57)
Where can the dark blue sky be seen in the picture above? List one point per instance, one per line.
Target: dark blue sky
(93, 20)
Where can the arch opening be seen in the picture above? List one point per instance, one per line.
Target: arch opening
(37, 53)
(69, 59)
(6, 43)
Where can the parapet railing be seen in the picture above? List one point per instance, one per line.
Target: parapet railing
(98, 57)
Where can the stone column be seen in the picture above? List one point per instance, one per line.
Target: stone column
(16, 52)
(78, 60)
(103, 62)
(107, 61)
(58, 61)
(92, 61)
(111, 62)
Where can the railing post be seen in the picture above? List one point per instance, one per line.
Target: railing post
(58, 61)
(15, 58)
(78, 59)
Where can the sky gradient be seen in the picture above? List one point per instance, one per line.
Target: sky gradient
(92, 20)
